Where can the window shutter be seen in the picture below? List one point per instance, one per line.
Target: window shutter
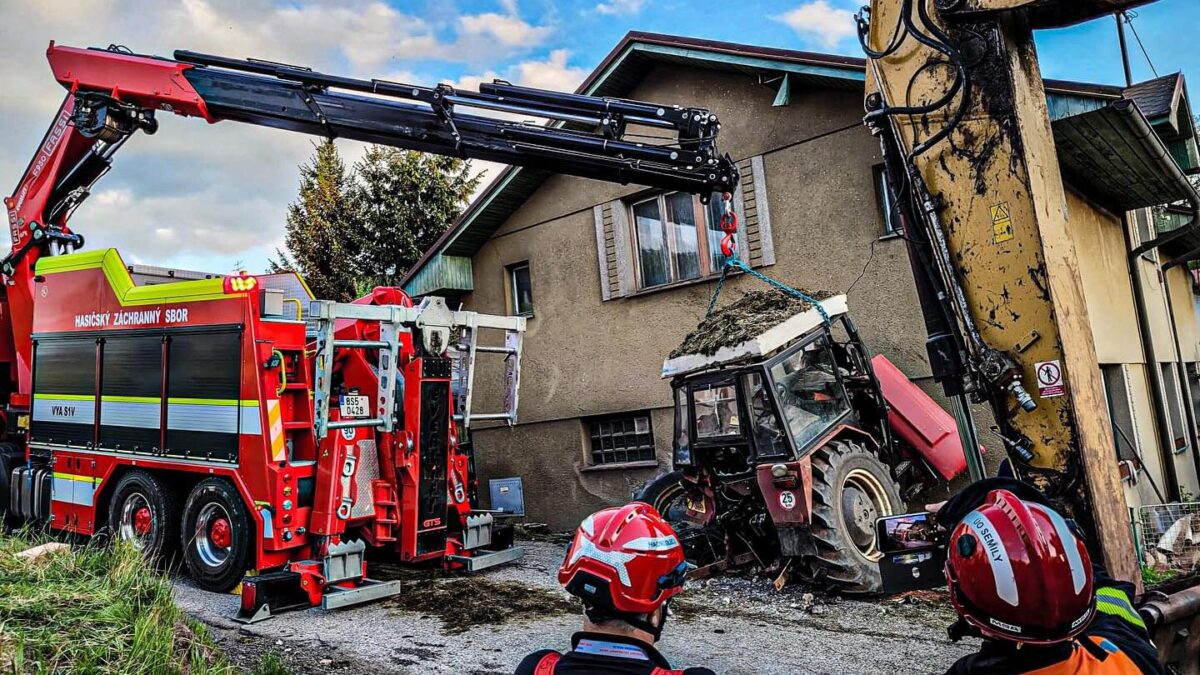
(754, 231)
(612, 250)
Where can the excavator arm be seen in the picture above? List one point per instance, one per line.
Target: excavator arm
(955, 96)
(113, 94)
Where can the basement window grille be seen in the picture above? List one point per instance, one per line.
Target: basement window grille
(621, 439)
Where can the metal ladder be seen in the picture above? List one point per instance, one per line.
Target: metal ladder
(433, 322)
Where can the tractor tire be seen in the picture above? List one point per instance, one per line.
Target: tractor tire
(665, 494)
(851, 488)
(215, 533)
(144, 512)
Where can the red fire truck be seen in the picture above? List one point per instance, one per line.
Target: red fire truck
(237, 419)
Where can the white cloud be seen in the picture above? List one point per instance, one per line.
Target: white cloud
(506, 30)
(619, 7)
(820, 21)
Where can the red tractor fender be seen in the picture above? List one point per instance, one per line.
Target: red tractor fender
(919, 421)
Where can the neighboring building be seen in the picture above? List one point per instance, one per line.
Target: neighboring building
(612, 277)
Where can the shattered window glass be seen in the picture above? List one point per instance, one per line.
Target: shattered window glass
(810, 397)
(716, 411)
(769, 440)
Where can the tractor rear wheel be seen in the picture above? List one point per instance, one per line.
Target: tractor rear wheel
(851, 488)
(143, 512)
(216, 535)
(670, 495)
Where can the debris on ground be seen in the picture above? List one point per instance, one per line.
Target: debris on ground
(541, 532)
(744, 318)
(463, 602)
(41, 551)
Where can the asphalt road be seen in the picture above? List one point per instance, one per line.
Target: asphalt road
(732, 625)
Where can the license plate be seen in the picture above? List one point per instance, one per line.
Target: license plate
(354, 406)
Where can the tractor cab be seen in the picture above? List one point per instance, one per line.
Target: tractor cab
(776, 397)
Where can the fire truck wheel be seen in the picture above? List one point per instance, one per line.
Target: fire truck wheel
(144, 512)
(215, 532)
(851, 488)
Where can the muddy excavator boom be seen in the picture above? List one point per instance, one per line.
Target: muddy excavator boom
(955, 95)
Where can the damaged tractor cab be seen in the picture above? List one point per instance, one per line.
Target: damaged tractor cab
(784, 448)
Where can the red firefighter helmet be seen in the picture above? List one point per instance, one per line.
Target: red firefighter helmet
(1017, 572)
(624, 560)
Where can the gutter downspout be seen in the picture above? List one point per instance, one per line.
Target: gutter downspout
(1167, 164)
(1166, 449)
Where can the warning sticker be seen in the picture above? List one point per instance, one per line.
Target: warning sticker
(1050, 379)
(1002, 226)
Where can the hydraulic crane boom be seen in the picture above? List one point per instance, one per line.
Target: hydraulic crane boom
(113, 93)
(955, 95)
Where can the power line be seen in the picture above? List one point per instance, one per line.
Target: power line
(1129, 17)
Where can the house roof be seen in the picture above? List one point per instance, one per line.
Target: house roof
(446, 265)
(1158, 97)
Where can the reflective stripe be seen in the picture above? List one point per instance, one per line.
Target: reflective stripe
(275, 420)
(74, 489)
(144, 412)
(64, 409)
(140, 415)
(1114, 602)
(1078, 571)
(997, 555)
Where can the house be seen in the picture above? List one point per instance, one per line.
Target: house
(612, 277)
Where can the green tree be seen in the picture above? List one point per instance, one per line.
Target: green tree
(406, 200)
(322, 233)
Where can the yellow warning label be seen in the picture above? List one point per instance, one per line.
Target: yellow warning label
(1002, 227)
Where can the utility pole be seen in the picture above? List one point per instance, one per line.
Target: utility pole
(1120, 17)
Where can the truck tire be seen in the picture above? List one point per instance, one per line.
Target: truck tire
(851, 488)
(701, 545)
(144, 512)
(215, 532)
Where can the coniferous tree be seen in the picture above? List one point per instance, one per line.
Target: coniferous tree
(322, 232)
(406, 200)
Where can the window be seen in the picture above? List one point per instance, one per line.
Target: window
(677, 238)
(1143, 225)
(887, 209)
(810, 396)
(520, 289)
(1179, 433)
(769, 440)
(1120, 411)
(621, 438)
(716, 410)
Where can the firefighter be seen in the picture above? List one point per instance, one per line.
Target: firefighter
(625, 564)
(1021, 578)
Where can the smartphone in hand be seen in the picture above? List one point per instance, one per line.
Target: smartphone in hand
(912, 556)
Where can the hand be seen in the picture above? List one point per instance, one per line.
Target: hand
(935, 507)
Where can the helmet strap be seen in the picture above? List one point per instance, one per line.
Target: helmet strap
(960, 629)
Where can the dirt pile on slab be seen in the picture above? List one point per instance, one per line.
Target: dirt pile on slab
(465, 602)
(744, 318)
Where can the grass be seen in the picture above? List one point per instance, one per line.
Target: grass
(1154, 577)
(98, 610)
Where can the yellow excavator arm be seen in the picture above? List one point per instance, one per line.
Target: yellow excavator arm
(955, 95)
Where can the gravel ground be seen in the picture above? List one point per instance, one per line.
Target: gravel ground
(733, 625)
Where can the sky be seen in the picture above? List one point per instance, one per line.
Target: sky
(214, 198)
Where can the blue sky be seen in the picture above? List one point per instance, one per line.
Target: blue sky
(212, 197)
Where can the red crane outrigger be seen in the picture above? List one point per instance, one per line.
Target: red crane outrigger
(202, 414)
